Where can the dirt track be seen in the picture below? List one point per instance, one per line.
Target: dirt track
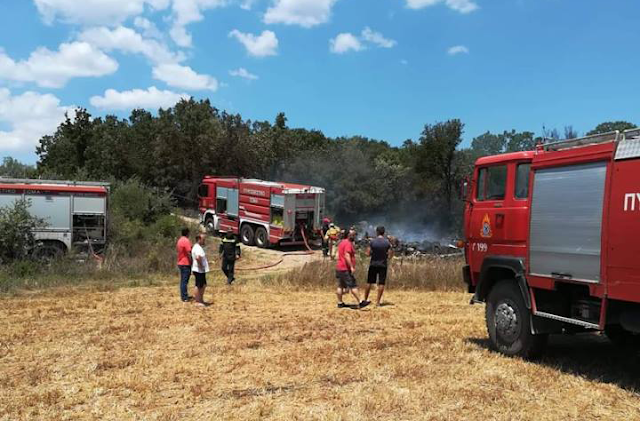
(291, 258)
(254, 257)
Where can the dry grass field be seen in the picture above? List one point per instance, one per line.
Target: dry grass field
(274, 353)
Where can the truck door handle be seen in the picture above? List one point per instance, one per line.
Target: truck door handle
(561, 275)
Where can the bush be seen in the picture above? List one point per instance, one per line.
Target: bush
(167, 226)
(16, 231)
(139, 213)
(134, 201)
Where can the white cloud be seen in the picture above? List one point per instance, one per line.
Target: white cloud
(247, 4)
(94, 12)
(180, 36)
(152, 98)
(377, 38)
(462, 6)
(148, 28)
(265, 44)
(457, 49)
(243, 73)
(52, 69)
(344, 43)
(30, 116)
(305, 13)
(184, 77)
(186, 12)
(129, 41)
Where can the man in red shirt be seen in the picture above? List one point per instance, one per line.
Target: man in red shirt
(183, 248)
(345, 269)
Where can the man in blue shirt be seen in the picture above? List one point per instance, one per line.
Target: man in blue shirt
(380, 251)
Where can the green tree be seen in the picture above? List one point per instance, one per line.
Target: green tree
(508, 141)
(281, 121)
(13, 168)
(64, 151)
(520, 141)
(437, 152)
(570, 133)
(611, 126)
(488, 144)
(16, 231)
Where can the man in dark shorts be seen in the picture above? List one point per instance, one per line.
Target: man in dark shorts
(380, 251)
(229, 252)
(200, 268)
(345, 269)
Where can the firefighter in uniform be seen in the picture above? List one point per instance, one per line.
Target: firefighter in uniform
(325, 240)
(229, 253)
(332, 237)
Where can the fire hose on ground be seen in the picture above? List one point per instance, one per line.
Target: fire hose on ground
(297, 253)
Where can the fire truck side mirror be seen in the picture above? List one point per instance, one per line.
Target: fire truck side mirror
(464, 189)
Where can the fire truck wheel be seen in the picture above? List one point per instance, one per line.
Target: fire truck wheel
(208, 223)
(247, 235)
(48, 251)
(262, 237)
(509, 322)
(622, 338)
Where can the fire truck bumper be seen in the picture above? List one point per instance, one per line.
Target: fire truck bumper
(466, 276)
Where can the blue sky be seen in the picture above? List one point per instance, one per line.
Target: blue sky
(378, 68)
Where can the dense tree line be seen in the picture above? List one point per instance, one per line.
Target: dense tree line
(364, 177)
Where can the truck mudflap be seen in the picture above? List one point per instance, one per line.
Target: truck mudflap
(485, 282)
(466, 277)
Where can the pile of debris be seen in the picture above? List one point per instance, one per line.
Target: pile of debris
(409, 241)
(426, 248)
(416, 248)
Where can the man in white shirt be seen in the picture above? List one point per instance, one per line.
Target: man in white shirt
(200, 267)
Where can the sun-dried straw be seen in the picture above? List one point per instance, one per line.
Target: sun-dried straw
(270, 353)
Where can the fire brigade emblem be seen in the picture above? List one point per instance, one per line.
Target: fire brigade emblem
(486, 227)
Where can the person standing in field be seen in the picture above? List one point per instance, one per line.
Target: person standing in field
(325, 239)
(381, 252)
(230, 252)
(200, 268)
(183, 248)
(345, 269)
(332, 238)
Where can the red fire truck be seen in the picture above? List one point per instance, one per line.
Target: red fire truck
(551, 241)
(261, 212)
(74, 213)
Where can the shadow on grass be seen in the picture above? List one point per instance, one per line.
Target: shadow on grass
(350, 307)
(588, 355)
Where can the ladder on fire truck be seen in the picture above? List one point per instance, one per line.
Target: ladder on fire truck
(616, 136)
(53, 182)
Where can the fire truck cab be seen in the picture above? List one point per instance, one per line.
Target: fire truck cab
(550, 241)
(262, 213)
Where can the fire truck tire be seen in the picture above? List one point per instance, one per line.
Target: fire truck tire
(49, 250)
(247, 236)
(209, 224)
(262, 237)
(509, 322)
(622, 338)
